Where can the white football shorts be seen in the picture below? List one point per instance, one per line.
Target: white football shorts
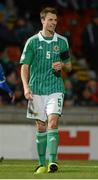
(42, 106)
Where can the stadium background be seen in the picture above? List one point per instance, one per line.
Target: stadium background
(78, 128)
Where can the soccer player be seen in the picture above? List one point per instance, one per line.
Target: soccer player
(44, 56)
(3, 84)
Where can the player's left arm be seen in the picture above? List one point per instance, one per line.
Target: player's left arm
(65, 57)
(65, 61)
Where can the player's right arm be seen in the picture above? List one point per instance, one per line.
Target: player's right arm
(25, 61)
(25, 77)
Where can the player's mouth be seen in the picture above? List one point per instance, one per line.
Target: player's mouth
(52, 27)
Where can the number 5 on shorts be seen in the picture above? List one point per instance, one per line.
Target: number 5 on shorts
(59, 102)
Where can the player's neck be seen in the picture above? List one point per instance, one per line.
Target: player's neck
(47, 33)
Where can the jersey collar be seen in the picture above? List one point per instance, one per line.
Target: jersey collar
(41, 38)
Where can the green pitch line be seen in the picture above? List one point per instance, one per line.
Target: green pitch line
(24, 169)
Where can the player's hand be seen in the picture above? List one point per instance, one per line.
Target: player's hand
(57, 66)
(28, 94)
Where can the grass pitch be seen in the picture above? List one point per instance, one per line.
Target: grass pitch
(24, 169)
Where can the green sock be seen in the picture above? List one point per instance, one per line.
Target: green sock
(52, 144)
(41, 141)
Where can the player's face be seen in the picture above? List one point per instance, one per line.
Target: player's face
(50, 22)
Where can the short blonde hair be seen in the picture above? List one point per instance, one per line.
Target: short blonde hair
(47, 10)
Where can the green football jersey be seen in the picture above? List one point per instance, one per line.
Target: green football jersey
(39, 53)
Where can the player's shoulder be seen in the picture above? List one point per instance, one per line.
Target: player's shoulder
(33, 38)
(59, 36)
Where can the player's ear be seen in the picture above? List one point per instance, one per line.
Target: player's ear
(42, 20)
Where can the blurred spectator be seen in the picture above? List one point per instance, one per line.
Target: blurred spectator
(81, 75)
(80, 71)
(7, 36)
(13, 53)
(4, 88)
(2, 12)
(90, 44)
(90, 93)
(20, 101)
(11, 13)
(12, 79)
(16, 85)
(23, 29)
(5, 61)
(70, 96)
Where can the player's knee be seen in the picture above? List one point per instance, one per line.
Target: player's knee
(53, 124)
(41, 126)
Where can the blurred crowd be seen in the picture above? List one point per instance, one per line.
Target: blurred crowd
(81, 29)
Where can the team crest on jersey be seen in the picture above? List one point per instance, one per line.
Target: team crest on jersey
(56, 48)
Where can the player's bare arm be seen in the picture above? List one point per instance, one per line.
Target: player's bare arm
(25, 77)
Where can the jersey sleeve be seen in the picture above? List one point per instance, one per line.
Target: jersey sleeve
(65, 54)
(27, 53)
